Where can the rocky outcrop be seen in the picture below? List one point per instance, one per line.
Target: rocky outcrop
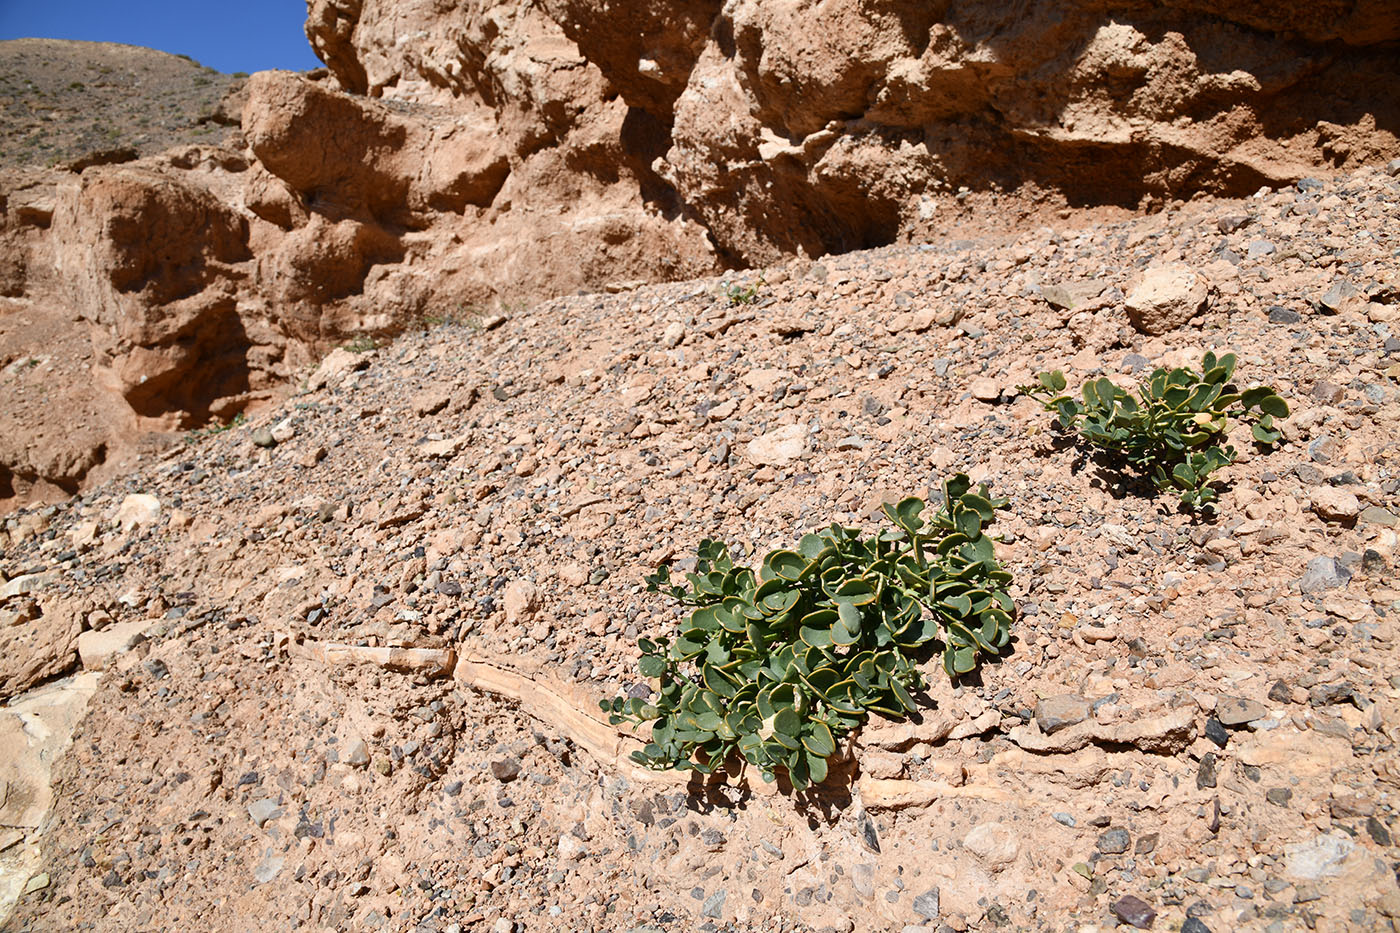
(156, 262)
(348, 158)
(460, 154)
(785, 126)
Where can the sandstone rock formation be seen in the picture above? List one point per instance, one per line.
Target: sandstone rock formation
(790, 126)
(463, 154)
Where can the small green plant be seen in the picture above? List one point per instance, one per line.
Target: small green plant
(777, 666)
(238, 420)
(462, 313)
(1172, 432)
(363, 343)
(742, 294)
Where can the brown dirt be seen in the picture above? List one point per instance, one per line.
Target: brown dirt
(414, 490)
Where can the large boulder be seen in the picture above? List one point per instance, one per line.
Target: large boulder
(157, 261)
(382, 165)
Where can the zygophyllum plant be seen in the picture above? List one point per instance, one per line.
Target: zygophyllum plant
(1173, 430)
(778, 665)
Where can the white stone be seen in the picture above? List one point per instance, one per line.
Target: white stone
(986, 390)
(522, 601)
(780, 446)
(570, 847)
(136, 510)
(673, 334)
(25, 583)
(1335, 505)
(97, 648)
(336, 364)
(1319, 857)
(996, 844)
(1166, 298)
(284, 430)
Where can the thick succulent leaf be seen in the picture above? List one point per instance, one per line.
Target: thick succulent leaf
(786, 565)
(718, 683)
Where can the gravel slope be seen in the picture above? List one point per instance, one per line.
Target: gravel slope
(499, 488)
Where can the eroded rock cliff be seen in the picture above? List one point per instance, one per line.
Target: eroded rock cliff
(462, 154)
(792, 125)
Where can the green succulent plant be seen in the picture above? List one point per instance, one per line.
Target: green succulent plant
(742, 294)
(1172, 431)
(777, 666)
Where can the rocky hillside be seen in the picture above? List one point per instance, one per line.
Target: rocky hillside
(83, 103)
(338, 668)
(485, 154)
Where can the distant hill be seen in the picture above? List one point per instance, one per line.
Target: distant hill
(63, 100)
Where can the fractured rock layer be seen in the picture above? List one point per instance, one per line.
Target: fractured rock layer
(462, 155)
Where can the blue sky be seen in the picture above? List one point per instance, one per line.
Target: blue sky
(244, 35)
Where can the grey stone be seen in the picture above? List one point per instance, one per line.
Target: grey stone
(1261, 248)
(1194, 925)
(1205, 776)
(1323, 573)
(1341, 292)
(1134, 911)
(1063, 818)
(262, 437)
(1114, 842)
(1323, 449)
(1375, 515)
(713, 839)
(926, 904)
(1328, 393)
(714, 905)
(1281, 315)
(263, 810)
(1216, 732)
(1055, 713)
(505, 770)
(1332, 694)
(1237, 711)
(268, 868)
(1280, 693)
(1380, 833)
(869, 834)
(1308, 474)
